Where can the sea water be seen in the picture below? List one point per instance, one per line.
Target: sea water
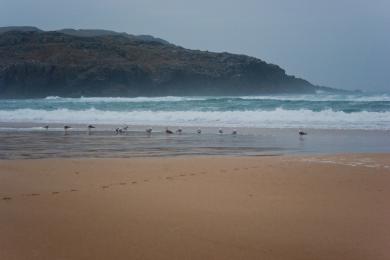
(267, 125)
(319, 111)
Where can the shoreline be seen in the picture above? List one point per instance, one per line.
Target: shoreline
(204, 156)
(247, 142)
(79, 127)
(279, 207)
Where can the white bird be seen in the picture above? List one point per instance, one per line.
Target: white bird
(220, 131)
(149, 130)
(199, 131)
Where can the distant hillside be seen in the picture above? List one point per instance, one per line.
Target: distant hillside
(73, 63)
(19, 28)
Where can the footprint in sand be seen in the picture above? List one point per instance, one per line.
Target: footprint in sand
(222, 170)
(55, 192)
(6, 198)
(235, 169)
(33, 194)
(73, 190)
(169, 178)
(105, 187)
(182, 175)
(192, 174)
(76, 173)
(133, 182)
(202, 172)
(146, 180)
(123, 183)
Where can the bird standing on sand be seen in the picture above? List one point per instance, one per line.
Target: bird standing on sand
(66, 127)
(46, 127)
(90, 127)
(149, 130)
(220, 131)
(302, 133)
(167, 131)
(125, 128)
(199, 131)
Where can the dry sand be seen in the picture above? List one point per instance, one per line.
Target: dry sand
(329, 207)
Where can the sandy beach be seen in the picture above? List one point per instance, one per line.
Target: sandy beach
(276, 207)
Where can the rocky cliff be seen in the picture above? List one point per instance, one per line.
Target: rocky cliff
(73, 63)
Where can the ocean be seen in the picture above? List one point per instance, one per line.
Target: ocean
(319, 111)
(266, 125)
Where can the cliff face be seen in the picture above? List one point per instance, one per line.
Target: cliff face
(39, 64)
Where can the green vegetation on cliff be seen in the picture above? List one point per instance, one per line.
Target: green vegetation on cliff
(73, 63)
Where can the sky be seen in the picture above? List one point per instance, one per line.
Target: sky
(337, 43)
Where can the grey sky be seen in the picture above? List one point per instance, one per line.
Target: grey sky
(338, 43)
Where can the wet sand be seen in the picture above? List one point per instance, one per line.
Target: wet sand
(281, 207)
(102, 142)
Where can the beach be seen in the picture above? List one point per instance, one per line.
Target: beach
(197, 207)
(264, 192)
(30, 141)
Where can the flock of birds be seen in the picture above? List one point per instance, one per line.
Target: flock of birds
(149, 130)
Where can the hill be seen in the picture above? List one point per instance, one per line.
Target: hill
(73, 63)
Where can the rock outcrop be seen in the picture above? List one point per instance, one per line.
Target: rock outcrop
(73, 63)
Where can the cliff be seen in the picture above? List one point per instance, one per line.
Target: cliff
(73, 63)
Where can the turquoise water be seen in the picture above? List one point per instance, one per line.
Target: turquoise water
(321, 111)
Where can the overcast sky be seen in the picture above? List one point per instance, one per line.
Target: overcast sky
(337, 43)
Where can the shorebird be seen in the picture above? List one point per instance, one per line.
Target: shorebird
(46, 127)
(167, 131)
(234, 132)
(90, 127)
(220, 131)
(66, 127)
(199, 131)
(118, 131)
(302, 133)
(179, 131)
(125, 128)
(149, 130)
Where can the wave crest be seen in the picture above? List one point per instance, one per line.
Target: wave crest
(278, 118)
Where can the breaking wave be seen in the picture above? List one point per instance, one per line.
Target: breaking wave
(278, 118)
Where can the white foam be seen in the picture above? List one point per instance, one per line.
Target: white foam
(323, 97)
(302, 97)
(278, 118)
(123, 99)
